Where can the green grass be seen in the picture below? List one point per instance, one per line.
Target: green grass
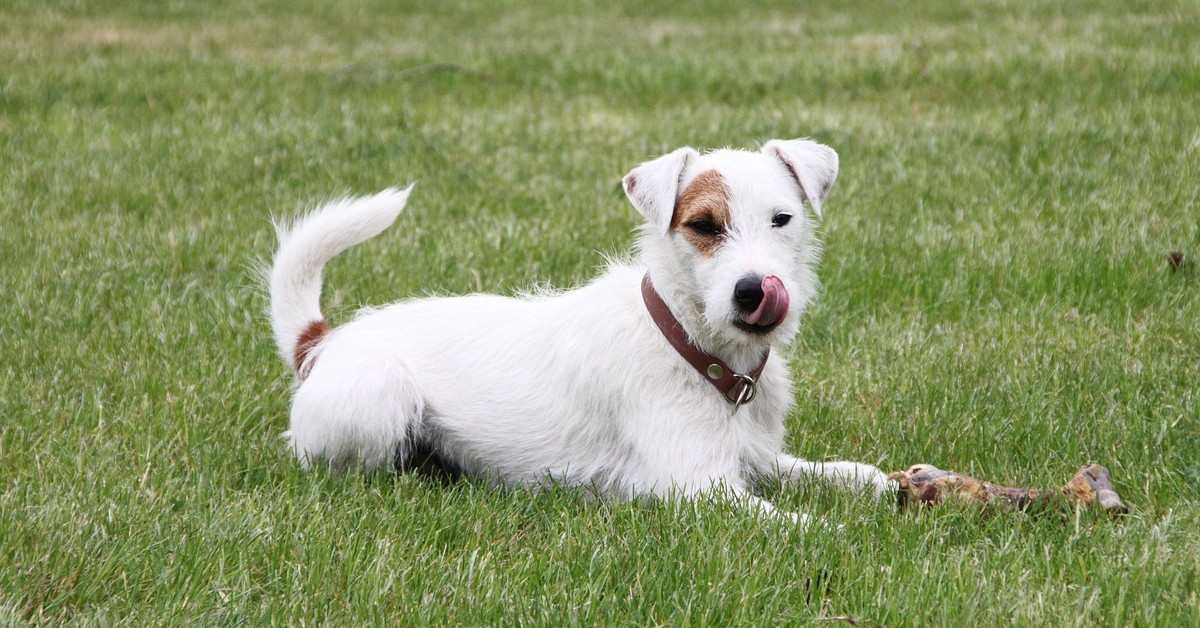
(996, 301)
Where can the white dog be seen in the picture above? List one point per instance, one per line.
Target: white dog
(656, 378)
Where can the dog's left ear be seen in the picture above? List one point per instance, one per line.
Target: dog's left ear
(813, 165)
(653, 186)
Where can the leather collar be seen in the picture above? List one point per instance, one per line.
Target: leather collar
(737, 388)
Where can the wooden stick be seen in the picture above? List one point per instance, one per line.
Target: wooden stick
(923, 484)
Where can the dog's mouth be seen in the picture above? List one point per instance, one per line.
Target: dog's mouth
(770, 311)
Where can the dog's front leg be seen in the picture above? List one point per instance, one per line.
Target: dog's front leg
(851, 475)
(743, 498)
(768, 510)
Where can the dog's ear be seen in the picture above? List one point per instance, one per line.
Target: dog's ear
(653, 186)
(813, 165)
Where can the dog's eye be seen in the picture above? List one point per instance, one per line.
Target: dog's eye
(781, 219)
(705, 227)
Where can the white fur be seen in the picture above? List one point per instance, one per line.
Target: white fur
(578, 386)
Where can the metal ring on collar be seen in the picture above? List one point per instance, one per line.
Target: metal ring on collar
(745, 389)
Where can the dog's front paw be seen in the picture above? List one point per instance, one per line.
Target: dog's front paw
(875, 481)
(870, 478)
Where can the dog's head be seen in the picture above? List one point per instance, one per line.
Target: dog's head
(728, 240)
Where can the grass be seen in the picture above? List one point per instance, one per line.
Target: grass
(997, 301)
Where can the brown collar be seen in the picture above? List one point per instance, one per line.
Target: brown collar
(736, 387)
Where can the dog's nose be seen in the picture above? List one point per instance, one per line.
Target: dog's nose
(748, 293)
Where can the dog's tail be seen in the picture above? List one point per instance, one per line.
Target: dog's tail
(304, 248)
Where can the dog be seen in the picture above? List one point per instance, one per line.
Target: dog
(661, 377)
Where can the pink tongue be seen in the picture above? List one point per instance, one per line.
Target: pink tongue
(774, 304)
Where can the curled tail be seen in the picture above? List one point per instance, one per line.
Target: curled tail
(305, 246)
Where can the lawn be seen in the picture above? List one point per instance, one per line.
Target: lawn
(997, 300)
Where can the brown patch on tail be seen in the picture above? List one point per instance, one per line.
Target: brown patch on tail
(305, 343)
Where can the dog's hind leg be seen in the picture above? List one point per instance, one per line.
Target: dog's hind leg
(851, 475)
(355, 414)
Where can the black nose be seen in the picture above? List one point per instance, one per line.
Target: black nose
(747, 293)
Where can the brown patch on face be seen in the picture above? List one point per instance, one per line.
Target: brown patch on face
(305, 343)
(702, 212)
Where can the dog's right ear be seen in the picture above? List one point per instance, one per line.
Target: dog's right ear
(653, 186)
